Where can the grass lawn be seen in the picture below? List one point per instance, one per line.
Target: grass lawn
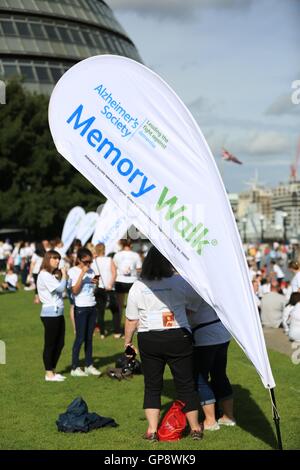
(29, 406)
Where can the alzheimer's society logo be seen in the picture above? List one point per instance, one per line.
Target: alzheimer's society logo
(2, 352)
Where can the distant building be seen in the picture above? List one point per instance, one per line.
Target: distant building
(286, 205)
(41, 39)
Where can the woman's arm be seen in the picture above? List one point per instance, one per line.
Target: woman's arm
(130, 328)
(113, 275)
(77, 287)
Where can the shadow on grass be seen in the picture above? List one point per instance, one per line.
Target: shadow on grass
(251, 418)
(99, 362)
(248, 414)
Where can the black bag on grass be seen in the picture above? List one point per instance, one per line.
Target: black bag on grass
(78, 419)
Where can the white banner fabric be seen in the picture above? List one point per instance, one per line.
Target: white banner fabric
(71, 226)
(111, 227)
(87, 227)
(130, 135)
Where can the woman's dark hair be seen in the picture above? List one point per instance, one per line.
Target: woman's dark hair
(46, 261)
(83, 252)
(125, 242)
(156, 266)
(39, 249)
(294, 299)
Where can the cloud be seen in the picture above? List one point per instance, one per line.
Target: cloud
(283, 105)
(173, 8)
(264, 144)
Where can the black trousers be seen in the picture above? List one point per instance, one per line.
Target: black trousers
(102, 296)
(174, 348)
(54, 340)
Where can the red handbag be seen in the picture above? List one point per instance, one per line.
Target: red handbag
(173, 423)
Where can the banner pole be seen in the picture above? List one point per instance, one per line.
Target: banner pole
(276, 419)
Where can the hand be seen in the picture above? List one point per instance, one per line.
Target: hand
(95, 280)
(85, 269)
(130, 350)
(64, 273)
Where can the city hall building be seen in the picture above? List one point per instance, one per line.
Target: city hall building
(41, 39)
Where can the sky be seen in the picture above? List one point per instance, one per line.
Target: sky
(232, 62)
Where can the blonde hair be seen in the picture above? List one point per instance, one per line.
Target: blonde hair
(100, 249)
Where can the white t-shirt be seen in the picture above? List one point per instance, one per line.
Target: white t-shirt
(127, 262)
(37, 260)
(295, 283)
(102, 265)
(278, 271)
(294, 330)
(158, 305)
(85, 297)
(46, 285)
(12, 279)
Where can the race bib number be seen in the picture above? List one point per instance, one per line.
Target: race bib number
(158, 320)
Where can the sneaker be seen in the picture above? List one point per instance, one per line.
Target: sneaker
(63, 377)
(196, 435)
(226, 422)
(212, 427)
(118, 335)
(91, 370)
(151, 436)
(78, 373)
(102, 337)
(54, 378)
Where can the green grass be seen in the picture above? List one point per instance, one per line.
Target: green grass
(29, 406)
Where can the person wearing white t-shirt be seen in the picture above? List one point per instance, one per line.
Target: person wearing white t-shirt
(83, 282)
(294, 321)
(156, 308)
(105, 268)
(128, 264)
(10, 281)
(50, 290)
(295, 282)
(35, 267)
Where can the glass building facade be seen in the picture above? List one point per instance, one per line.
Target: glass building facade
(41, 39)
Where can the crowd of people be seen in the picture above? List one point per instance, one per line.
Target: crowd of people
(275, 275)
(174, 325)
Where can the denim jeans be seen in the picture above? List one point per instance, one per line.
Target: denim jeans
(210, 373)
(85, 321)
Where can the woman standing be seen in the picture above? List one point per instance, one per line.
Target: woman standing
(128, 264)
(295, 282)
(83, 282)
(211, 341)
(156, 308)
(105, 268)
(50, 291)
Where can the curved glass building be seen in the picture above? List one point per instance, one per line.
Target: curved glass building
(41, 39)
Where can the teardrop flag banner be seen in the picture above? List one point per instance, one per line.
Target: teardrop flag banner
(87, 226)
(111, 226)
(130, 135)
(71, 226)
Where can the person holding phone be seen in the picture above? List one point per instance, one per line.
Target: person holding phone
(156, 308)
(83, 283)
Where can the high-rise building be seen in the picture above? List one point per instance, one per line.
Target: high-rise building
(41, 39)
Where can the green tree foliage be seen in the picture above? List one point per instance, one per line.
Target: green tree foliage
(38, 186)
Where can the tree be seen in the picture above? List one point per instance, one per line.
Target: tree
(38, 186)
